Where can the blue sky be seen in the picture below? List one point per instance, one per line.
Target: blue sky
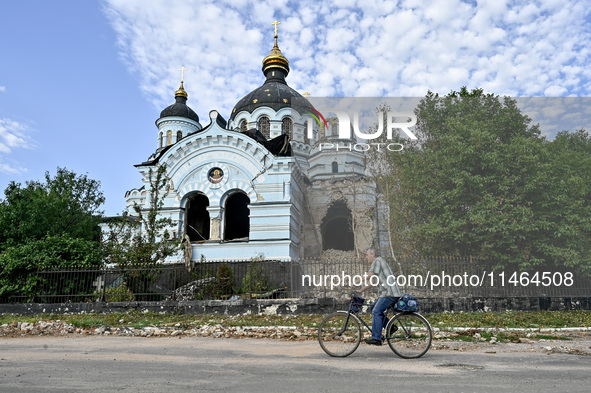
(82, 82)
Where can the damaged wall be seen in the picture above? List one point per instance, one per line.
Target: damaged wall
(339, 207)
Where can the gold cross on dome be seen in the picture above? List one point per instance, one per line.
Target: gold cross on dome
(276, 23)
(183, 69)
(306, 94)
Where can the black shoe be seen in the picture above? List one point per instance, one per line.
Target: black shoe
(373, 341)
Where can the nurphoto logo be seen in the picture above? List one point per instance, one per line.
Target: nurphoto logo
(353, 137)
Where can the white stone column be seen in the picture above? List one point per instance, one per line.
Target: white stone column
(215, 221)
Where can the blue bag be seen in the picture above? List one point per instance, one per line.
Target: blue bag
(407, 302)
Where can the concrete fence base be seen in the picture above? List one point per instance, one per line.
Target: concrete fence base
(299, 306)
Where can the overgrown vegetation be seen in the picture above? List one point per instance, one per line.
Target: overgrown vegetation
(224, 283)
(256, 279)
(142, 241)
(500, 320)
(119, 293)
(48, 224)
(54, 225)
(482, 181)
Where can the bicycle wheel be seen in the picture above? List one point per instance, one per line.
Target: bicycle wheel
(339, 334)
(409, 335)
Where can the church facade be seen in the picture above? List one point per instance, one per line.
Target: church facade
(259, 184)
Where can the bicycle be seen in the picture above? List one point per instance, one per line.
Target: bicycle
(407, 333)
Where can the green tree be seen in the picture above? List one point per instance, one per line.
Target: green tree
(140, 242)
(481, 181)
(20, 266)
(64, 205)
(566, 212)
(51, 224)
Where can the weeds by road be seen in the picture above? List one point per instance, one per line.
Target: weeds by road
(472, 327)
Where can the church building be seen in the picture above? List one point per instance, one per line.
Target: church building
(257, 183)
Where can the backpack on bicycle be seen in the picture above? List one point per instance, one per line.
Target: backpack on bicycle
(407, 302)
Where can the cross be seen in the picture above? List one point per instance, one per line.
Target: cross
(306, 94)
(183, 69)
(276, 23)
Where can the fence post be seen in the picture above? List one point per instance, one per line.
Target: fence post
(103, 295)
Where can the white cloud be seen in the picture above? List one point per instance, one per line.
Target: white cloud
(13, 135)
(354, 48)
(555, 91)
(10, 169)
(3, 88)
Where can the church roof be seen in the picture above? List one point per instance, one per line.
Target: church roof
(180, 107)
(274, 93)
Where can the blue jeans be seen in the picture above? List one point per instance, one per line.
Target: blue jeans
(378, 317)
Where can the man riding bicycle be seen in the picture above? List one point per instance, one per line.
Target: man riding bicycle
(387, 294)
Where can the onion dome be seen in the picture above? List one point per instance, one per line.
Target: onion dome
(180, 108)
(275, 60)
(274, 93)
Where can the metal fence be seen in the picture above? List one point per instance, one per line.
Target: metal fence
(309, 278)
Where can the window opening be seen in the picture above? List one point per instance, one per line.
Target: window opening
(236, 217)
(336, 228)
(265, 126)
(197, 218)
(287, 126)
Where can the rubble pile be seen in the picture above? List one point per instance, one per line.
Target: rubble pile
(18, 329)
(578, 343)
(188, 291)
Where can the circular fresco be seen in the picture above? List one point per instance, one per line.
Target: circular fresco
(215, 175)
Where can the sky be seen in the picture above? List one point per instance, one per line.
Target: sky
(82, 82)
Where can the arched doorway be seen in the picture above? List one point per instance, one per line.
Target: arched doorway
(337, 231)
(236, 217)
(197, 218)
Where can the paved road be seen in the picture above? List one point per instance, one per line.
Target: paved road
(128, 364)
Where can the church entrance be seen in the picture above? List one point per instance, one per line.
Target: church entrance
(337, 232)
(236, 217)
(197, 218)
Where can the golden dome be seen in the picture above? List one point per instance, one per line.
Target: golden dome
(276, 59)
(181, 92)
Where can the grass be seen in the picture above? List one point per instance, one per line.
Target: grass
(513, 319)
(443, 321)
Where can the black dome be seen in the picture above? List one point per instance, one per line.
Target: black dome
(274, 94)
(180, 108)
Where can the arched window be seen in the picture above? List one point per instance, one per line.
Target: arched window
(160, 140)
(197, 218)
(335, 167)
(334, 129)
(236, 217)
(337, 231)
(243, 126)
(306, 139)
(169, 138)
(287, 126)
(265, 126)
(179, 135)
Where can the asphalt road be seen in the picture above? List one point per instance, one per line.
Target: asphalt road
(131, 364)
